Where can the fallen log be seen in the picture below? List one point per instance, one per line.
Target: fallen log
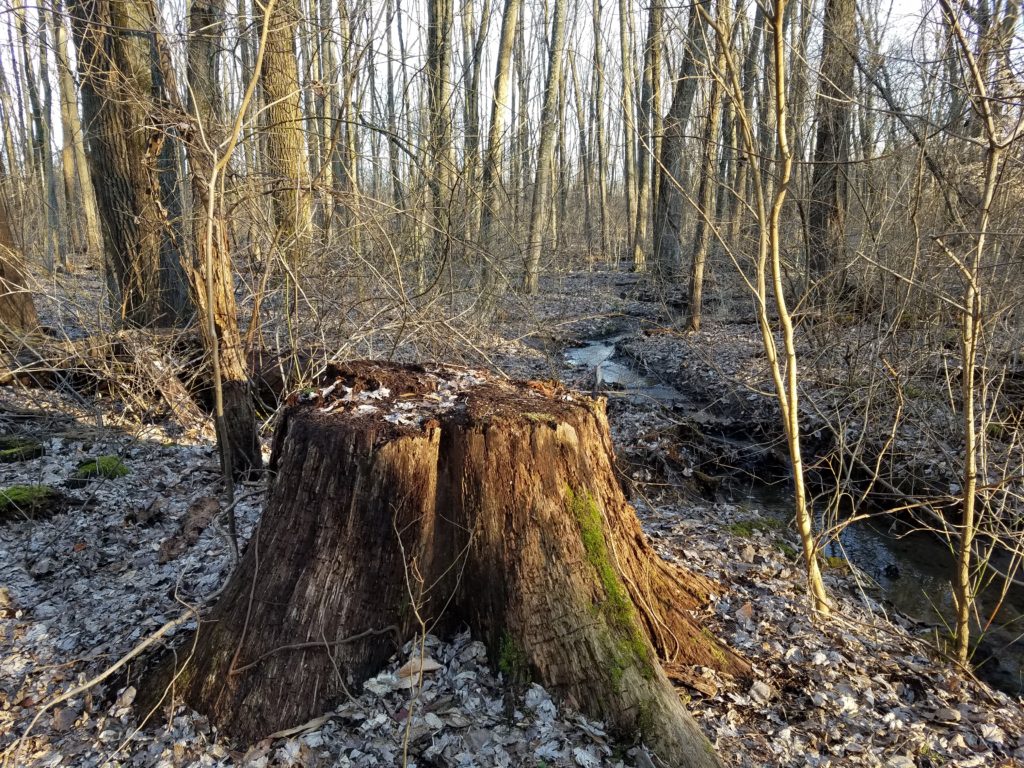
(406, 497)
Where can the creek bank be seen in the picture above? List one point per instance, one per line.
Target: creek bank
(723, 443)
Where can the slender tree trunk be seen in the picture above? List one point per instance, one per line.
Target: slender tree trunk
(708, 177)
(600, 139)
(474, 36)
(440, 23)
(786, 382)
(827, 210)
(40, 117)
(285, 155)
(972, 329)
(629, 129)
(22, 113)
(397, 191)
(325, 103)
(210, 271)
(348, 150)
(8, 118)
(585, 156)
(545, 152)
(671, 203)
(649, 133)
(493, 201)
(310, 80)
(521, 153)
(77, 168)
(738, 211)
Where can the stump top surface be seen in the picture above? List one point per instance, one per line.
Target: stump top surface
(410, 398)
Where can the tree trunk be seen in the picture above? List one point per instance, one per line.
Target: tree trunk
(79, 188)
(706, 193)
(827, 210)
(600, 142)
(629, 133)
(474, 37)
(492, 195)
(440, 24)
(670, 204)
(498, 509)
(209, 272)
(17, 310)
(545, 151)
(40, 109)
(286, 143)
(649, 132)
(116, 52)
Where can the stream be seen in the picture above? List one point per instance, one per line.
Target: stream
(909, 572)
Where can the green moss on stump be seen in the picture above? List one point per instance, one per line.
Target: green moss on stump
(13, 448)
(628, 640)
(512, 661)
(107, 467)
(21, 501)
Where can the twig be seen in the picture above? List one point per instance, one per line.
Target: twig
(314, 644)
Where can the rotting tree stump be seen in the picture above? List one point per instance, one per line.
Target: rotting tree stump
(404, 490)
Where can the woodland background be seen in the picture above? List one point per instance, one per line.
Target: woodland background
(313, 179)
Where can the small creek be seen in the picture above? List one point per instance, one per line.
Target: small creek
(910, 572)
(617, 377)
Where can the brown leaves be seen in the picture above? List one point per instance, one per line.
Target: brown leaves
(200, 514)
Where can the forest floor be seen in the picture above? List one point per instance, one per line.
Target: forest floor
(81, 588)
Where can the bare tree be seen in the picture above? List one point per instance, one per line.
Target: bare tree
(545, 156)
(650, 132)
(210, 271)
(285, 156)
(120, 96)
(600, 139)
(39, 106)
(827, 207)
(629, 129)
(670, 205)
(79, 187)
(708, 174)
(442, 155)
(17, 309)
(492, 196)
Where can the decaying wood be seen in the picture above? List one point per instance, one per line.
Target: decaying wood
(403, 492)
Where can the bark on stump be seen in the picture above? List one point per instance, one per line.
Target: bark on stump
(479, 502)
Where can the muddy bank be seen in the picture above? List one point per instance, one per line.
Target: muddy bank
(693, 416)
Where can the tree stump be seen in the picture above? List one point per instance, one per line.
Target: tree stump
(443, 494)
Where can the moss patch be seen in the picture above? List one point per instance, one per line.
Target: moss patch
(107, 467)
(787, 549)
(21, 501)
(628, 641)
(13, 448)
(512, 661)
(747, 528)
(836, 563)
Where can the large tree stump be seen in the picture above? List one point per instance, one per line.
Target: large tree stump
(467, 500)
